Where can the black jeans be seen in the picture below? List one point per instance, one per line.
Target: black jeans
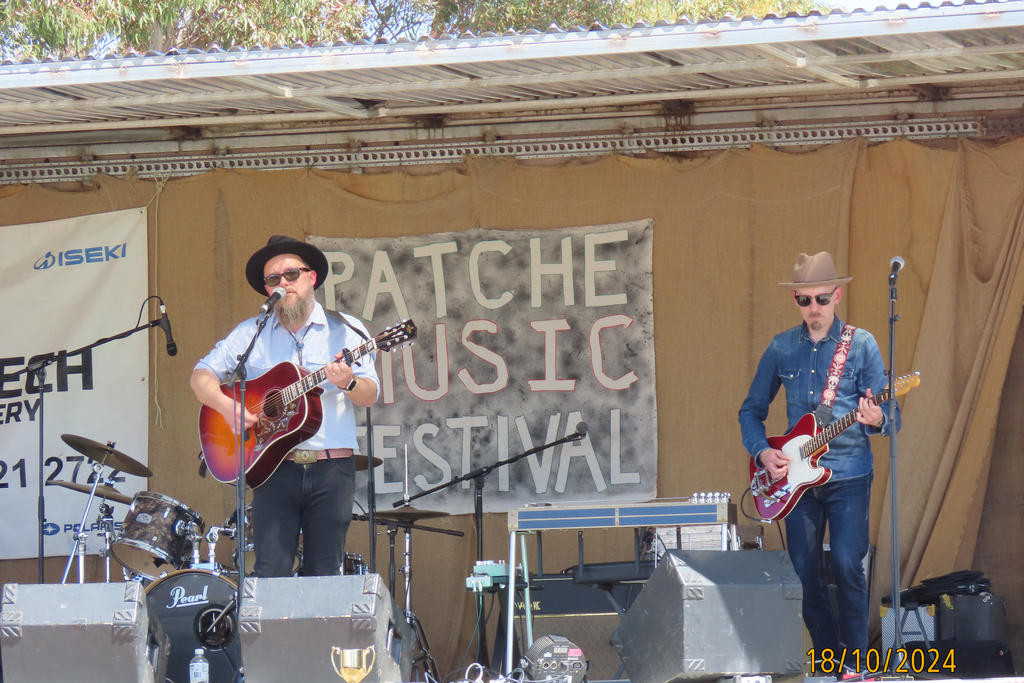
(315, 499)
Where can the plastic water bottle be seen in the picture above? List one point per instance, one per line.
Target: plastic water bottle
(199, 668)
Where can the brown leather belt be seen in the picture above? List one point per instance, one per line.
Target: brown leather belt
(307, 457)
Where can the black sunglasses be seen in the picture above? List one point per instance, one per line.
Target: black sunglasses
(291, 275)
(804, 300)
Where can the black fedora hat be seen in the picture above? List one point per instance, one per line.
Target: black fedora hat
(280, 244)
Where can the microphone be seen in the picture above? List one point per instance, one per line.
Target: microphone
(895, 265)
(272, 300)
(581, 431)
(165, 325)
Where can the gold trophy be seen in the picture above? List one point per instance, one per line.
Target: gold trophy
(352, 665)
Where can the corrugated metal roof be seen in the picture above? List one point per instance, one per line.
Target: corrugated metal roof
(950, 59)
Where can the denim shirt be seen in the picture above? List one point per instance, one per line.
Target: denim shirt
(325, 335)
(793, 361)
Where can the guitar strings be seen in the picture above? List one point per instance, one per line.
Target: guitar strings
(276, 402)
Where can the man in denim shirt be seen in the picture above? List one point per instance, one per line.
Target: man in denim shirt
(800, 359)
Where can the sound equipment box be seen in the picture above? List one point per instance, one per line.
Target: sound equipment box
(582, 614)
(323, 628)
(554, 657)
(713, 614)
(78, 632)
(966, 658)
(916, 622)
(971, 617)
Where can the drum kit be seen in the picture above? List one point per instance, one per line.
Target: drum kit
(158, 544)
(159, 534)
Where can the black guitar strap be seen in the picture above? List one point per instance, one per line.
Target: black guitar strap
(339, 316)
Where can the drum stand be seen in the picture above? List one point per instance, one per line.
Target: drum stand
(78, 549)
(105, 519)
(212, 536)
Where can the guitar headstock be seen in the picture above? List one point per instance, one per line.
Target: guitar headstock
(906, 383)
(396, 335)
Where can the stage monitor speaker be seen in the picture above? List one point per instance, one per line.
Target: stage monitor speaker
(583, 614)
(323, 628)
(75, 632)
(713, 614)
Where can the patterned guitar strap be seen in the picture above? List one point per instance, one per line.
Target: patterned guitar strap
(823, 413)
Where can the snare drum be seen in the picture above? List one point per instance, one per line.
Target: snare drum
(157, 531)
(186, 604)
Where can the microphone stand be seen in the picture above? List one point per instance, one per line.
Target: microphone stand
(237, 379)
(477, 476)
(893, 500)
(37, 366)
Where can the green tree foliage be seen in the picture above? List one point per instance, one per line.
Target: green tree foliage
(61, 29)
(477, 16)
(77, 28)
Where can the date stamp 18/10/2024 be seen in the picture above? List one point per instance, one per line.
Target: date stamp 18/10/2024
(873, 661)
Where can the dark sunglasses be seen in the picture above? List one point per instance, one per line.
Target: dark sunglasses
(804, 300)
(291, 275)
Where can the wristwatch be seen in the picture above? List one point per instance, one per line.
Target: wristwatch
(351, 385)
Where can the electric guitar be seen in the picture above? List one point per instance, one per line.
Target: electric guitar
(804, 445)
(286, 400)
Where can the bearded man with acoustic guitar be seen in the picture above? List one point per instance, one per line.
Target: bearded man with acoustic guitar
(825, 366)
(309, 484)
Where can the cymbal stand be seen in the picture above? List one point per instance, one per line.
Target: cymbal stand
(406, 569)
(392, 529)
(105, 519)
(79, 547)
(429, 665)
(407, 572)
(478, 476)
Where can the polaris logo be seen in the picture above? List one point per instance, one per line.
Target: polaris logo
(77, 257)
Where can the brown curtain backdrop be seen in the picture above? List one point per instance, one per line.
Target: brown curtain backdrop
(727, 229)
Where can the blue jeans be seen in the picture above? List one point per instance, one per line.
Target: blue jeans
(315, 499)
(844, 507)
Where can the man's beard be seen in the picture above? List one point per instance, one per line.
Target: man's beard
(818, 323)
(294, 314)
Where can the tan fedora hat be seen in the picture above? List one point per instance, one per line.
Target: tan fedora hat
(818, 270)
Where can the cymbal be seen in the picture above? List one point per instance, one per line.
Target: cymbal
(406, 514)
(106, 455)
(103, 491)
(361, 461)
